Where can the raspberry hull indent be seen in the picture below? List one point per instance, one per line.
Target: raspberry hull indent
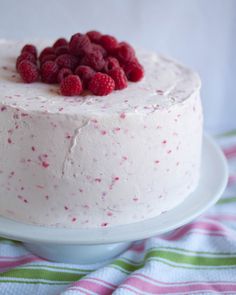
(91, 161)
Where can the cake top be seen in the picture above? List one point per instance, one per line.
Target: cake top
(165, 83)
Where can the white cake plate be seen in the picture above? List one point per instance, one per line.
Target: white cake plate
(94, 245)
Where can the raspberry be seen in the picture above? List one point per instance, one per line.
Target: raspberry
(63, 73)
(94, 59)
(134, 71)
(25, 56)
(31, 49)
(47, 57)
(97, 47)
(124, 52)
(49, 71)
(61, 50)
(79, 44)
(28, 71)
(118, 75)
(110, 64)
(85, 73)
(71, 85)
(60, 42)
(46, 50)
(94, 36)
(101, 84)
(108, 42)
(67, 61)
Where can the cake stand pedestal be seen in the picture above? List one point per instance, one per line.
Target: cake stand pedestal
(85, 246)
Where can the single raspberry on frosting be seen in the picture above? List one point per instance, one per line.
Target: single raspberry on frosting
(101, 84)
(25, 56)
(49, 71)
(110, 64)
(62, 74)
(61, 50)
(108, 42)
(118, 75)
(71, 86)
(67, 61)
(124, 52)
(47, 57)
(79, 44)
(31, 49)
(134, 71)
(94, 59)
(28, 71)
(46, 51)
(94, 36)
(97, 47)
(60, 42)
(85, 73)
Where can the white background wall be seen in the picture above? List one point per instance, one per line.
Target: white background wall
(200, 33)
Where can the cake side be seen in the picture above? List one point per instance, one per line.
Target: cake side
(93, 161)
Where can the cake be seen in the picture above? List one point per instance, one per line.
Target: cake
(98, 161)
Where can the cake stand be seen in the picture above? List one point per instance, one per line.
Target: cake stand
(86, 246)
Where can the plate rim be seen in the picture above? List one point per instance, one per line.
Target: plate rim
(38, 234)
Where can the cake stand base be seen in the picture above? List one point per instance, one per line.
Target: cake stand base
(77, 254)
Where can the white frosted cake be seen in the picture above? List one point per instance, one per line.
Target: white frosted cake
(94, 161)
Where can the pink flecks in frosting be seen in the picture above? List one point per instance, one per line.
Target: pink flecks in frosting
(81, 190)
(116, 129)
(33, 148)
(66, 208)
(109, 213)
(22, 199)
(177, 163)
(46, 197)
(39, 186)
(160, 92)
(9, 140)
(98, 180)
(122, 115)
(114, 180)
(135, 199)
(123, 160)
(164, 141)
(103, 194)
(157, 161)
(3, 109)
(24, 114)
(103, 132)
(104, 224)
(74, 219)
(45, 164)
(60, 109)
(68, 136)
(169, 151)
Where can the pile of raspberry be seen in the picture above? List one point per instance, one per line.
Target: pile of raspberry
(91, 61)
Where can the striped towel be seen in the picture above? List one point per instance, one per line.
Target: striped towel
(198, 258)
